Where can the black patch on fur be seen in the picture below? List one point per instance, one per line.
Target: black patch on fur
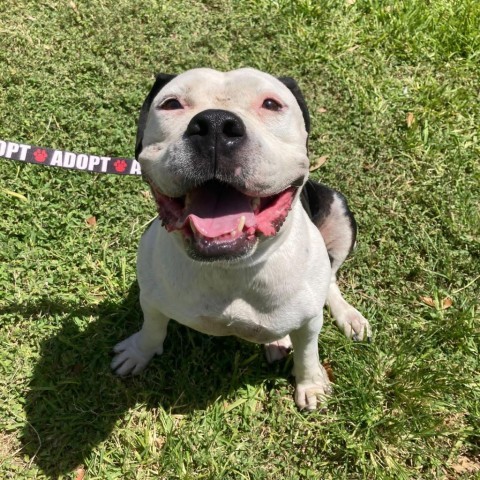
(317, 199)
(292, 85)
(160, 81)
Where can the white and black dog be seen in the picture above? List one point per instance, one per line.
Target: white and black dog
(244, 244)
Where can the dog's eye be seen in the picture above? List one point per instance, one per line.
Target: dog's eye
(170, 104)
(271, 104)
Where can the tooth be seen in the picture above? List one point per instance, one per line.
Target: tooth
(255, 203)
(233, 233)
(192, 226)
(241, 224)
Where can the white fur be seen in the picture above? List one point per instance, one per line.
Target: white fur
(280, 289)
(277, 140)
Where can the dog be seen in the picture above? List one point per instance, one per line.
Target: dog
(244, 244)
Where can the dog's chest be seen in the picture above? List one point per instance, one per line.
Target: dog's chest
(260, 303)
(246, 329)
(255, 315)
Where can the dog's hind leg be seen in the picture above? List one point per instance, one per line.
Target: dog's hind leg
(328, 210)
(279, 349)
(347, 318)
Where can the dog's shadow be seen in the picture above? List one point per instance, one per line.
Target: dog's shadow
(74, 402)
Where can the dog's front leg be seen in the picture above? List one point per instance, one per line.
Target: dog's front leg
(135, 352)
(311, 378)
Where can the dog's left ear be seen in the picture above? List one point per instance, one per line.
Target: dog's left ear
(160, 81)
(292, 85)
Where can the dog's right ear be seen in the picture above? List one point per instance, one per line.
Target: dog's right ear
(160, 81)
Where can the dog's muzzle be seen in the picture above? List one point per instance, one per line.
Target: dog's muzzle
(216, 218)
(219, 222)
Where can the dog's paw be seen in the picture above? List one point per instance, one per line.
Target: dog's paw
(130, 359)
(278, 350)
(312, 394)
(354, 325)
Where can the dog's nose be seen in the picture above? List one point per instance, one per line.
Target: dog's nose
(216, 132)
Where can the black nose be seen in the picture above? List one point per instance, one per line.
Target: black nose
(216, 133)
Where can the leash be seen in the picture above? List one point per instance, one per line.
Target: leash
(75, 161)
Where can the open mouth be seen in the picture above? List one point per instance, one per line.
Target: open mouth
(217, 220)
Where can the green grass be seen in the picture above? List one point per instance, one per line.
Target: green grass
(73, 76)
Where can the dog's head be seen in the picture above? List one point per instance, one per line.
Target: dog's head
(225, 156)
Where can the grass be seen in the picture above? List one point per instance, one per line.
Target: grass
(393, 89)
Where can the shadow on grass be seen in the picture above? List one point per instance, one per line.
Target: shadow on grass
(74, 401)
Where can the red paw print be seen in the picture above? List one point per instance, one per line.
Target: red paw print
(120, 165)
(40, 155)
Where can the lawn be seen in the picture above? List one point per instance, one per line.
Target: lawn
(394, 94)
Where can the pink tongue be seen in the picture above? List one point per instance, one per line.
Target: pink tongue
(218, 211)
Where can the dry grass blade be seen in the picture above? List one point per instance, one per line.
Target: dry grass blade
(318, 163)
